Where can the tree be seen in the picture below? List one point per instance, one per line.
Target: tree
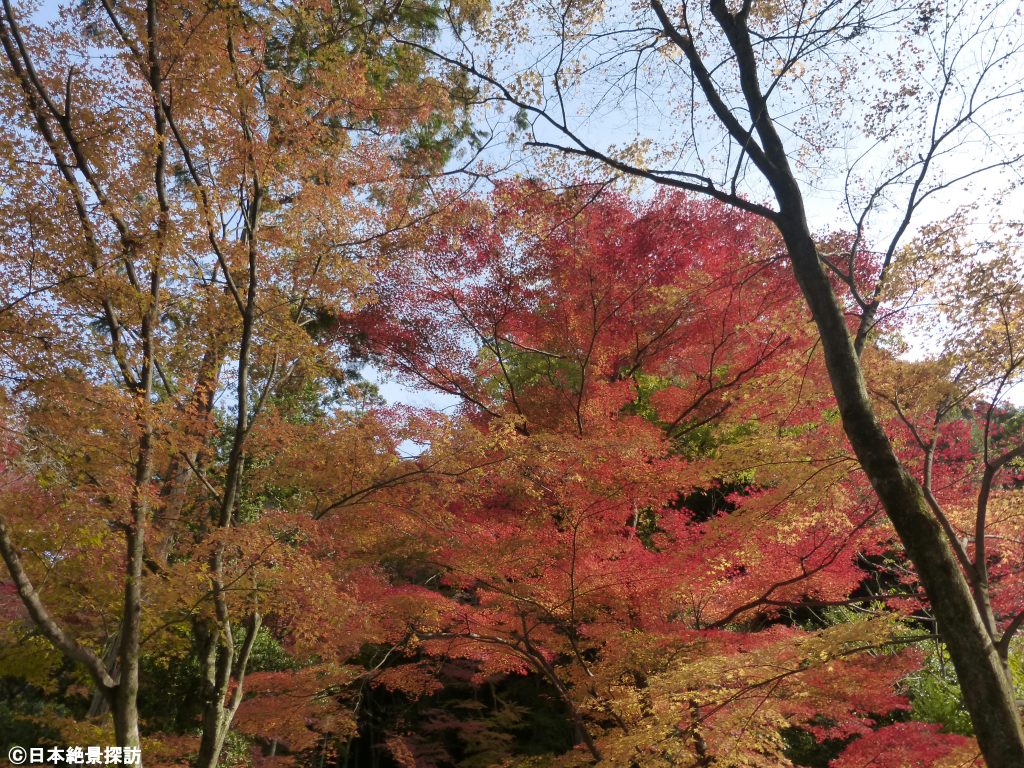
(185, 190)
(569, 537)
(762, 102)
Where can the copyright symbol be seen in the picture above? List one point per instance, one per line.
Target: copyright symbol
(17, 755)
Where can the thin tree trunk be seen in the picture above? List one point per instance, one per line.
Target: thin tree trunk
(219, 659)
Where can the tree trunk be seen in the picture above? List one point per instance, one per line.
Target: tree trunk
(126, 722)
(210, 741)
(218, 660)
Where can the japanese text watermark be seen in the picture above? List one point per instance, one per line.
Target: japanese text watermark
(74, 755)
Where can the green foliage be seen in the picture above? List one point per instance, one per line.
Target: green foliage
(803, 749)
(35, 662)
(26, 714)
(237, 751)
(525, 369)
(935, 694)
(268, 655)
(170, 697)
(645, 524)
(646, 386)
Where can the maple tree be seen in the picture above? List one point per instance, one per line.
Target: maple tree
(602, 393)
(762, 105)
(185, 189)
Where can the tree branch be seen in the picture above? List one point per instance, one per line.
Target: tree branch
(46, 623)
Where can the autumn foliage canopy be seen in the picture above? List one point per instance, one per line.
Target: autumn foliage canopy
(635, 535)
